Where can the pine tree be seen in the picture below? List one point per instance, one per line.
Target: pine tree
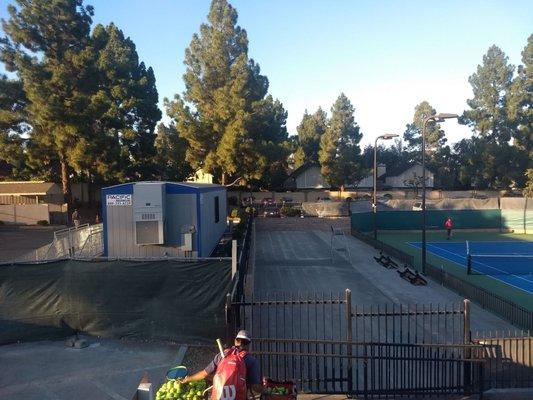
(520, 111)
(13, 125)
(124, 106)
(339, 154)
(435, 139)
(92, 106)
(46, 45)
(488, 117)
(310, 130)
(170, 154)
(223, 92)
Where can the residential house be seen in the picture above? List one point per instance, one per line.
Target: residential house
(30, 192)
(307, 176)
(407, 176)
(368, 181)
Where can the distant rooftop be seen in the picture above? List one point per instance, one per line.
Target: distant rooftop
(28, 188)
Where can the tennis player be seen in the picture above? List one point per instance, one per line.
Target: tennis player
(448, 225)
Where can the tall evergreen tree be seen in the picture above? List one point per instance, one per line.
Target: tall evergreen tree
(520, 110)
(92, 106)
(46, 45)
(171, 149)
(488, 117)
(390, 156)
(435, 139)
(310, 130)
(13, 125)
(340, 154)
(438, 154)
(124, 110)
(223, 101)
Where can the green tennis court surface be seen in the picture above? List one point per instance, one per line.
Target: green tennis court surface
(443, 260)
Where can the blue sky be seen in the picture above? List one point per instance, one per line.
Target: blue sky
(386, 56)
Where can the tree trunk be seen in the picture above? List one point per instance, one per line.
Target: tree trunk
(223, 179)
(65, 180)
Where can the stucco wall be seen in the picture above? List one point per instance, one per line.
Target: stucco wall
(27, 214)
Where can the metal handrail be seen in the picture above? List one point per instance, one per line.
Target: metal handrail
(70, 229)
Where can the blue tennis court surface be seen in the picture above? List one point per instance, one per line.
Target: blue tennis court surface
(512, 270)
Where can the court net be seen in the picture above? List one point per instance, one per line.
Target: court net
(499, 264)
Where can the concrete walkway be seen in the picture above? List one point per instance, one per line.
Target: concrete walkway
(106, 370)
(299, 261)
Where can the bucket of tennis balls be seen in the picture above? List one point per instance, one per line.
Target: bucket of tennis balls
(175, 390)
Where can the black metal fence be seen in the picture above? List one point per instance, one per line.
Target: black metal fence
(506, 309)
(509, 358)
(373, 369)
(329, 316)
(328, 345)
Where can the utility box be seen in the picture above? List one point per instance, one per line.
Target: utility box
(149, 212)
(163, 219)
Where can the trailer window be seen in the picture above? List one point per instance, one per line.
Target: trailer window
(217, 210)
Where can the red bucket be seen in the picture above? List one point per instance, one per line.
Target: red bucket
(289, 385)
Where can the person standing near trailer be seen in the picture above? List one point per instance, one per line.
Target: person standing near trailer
(76, 218)
(448, 225)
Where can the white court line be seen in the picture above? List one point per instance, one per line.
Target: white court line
(490, 276)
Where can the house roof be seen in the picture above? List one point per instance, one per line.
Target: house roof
(303, 167)
(400, 169)
(29, 188)
(194, 185)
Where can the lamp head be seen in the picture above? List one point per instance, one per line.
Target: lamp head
(388, 136)
(446, 116)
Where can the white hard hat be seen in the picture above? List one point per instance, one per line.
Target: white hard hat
(243, 335)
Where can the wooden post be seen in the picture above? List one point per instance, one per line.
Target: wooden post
(233, 258)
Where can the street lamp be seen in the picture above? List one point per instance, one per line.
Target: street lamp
(434, 118)
(386, 136)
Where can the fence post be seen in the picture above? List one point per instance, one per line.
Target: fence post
(349, 339)
(466, 340)
(233, 258)
(466, 324)
(228, 311)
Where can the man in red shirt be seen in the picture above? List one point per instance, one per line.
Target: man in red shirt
(448, 225)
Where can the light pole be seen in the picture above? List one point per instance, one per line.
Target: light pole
(435, 118)
(386, 136)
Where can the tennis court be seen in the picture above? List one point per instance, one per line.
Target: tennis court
(510, 262)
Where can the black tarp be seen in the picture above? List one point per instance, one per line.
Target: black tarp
(164, 300)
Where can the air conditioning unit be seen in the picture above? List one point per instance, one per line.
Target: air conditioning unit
(149, 212)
